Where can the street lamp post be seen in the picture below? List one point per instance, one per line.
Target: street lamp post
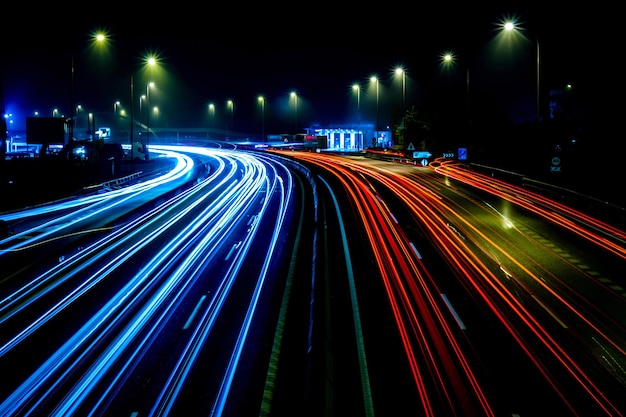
(231, 106)
(148, 86)
(402, 72)
(132, 99)
(357, 88)
(510, 27)
(261, 100)
(294, 95)
(156, 115)
(449, 58)
(375, 79)
(212, 114)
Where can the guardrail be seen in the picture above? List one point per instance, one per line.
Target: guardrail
(115, 182)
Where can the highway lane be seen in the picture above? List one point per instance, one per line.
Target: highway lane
(121, 324)
(435, 364)
(527, 266)
(285, 283)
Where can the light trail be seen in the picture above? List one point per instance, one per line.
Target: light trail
(203, 218)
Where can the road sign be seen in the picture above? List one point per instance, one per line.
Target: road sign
(421, 155)
(462, 154)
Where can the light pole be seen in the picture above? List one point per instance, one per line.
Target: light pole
(151, 61)
(511, 27)
(212, 114)
(374, 79)
(261, 100)
(294, 95)
(156, 117)
(402, 72)
(148, 86)
(449, 59)
(91, 123)
(357, 88)
(231, 106)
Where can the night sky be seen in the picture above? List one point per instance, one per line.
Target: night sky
(239, 52)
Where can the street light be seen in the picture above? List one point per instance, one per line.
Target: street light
(374, 79)
(148, 86)
(91, 121)
(99, 38)
(231, 106)
(155, 110)
(402, 72)
(294, 95)
(448, 59)
(357, 88)
(261, 100)
(150, 61)
(212, 114)
(512, 27)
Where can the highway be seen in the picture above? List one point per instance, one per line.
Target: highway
(298, 283)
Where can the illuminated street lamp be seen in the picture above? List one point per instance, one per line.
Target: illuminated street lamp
(294, 95)
(261, 100)
(448, 59)
(212, 114)
(91, 122)
(512, 27)
(151, 61)
(155, 110)
(148, 87)
(99, 38)
(115, 106)
(374, 79)
(231, 106)
(402, 72)
(357, 88)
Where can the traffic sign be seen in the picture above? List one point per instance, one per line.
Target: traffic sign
(421, 155)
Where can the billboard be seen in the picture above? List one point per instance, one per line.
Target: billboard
(45, 130)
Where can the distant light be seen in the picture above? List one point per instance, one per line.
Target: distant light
(509, 26)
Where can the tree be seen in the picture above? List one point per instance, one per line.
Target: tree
(413, 130)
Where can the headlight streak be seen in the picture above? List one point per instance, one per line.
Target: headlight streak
(98, 369)
(46, 282)
(95, 205)
(285, 195)
(81, 391)
(401, 275)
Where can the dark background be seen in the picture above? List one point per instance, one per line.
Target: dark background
(210, 54)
